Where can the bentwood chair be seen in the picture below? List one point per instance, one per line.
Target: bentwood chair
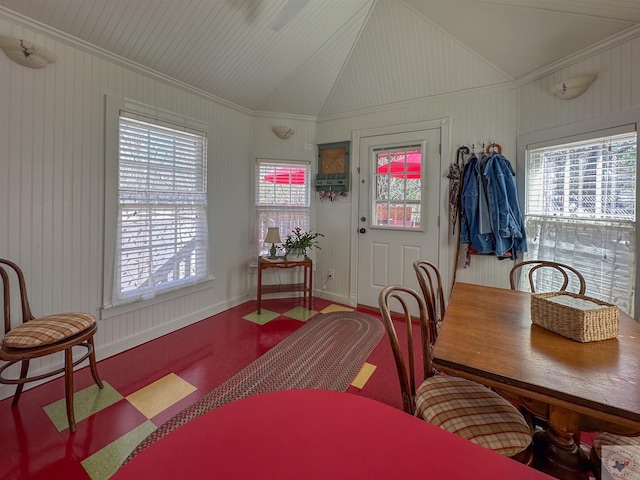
(565, 271)
(38, 337)
(536, 410)
(458, 405)
(430, 283)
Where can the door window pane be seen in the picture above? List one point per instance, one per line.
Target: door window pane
(398, 182)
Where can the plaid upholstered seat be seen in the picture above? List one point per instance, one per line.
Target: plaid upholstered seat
(48, 330)
(607, 438)
(631, 446)
(474, 412)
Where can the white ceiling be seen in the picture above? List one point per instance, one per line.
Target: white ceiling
(336, 55)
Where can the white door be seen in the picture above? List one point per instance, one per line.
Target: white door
(399, 188)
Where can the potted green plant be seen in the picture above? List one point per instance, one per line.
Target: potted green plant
(297, 243)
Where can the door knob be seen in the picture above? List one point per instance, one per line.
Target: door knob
(362, 230)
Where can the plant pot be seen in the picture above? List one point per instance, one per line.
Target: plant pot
(295, 255)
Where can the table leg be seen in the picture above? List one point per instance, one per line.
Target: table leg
(310, 287)
(259, 295)
(555, 451)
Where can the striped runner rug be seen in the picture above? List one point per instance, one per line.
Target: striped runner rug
(327, 353)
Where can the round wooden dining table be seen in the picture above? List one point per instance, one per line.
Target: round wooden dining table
(316, 434)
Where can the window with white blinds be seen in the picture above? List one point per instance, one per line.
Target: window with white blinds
(581, 210)
(282, 200)
(162, 209)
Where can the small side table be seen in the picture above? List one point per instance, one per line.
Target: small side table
(306, 287)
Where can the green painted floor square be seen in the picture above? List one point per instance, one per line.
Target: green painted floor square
(301, 313)
(86, 402)
(261, 318)
(106, 461)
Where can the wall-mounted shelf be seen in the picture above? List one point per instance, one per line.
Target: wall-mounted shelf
(333, 167)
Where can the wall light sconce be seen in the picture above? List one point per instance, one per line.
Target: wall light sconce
(26, 53)
(283, 132)
(573, 87)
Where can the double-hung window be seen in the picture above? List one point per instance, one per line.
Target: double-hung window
(161, 235)
(581, 210)
(282, 200)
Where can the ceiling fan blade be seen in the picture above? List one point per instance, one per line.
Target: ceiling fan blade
(287, 13)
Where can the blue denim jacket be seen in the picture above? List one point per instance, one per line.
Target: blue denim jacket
(502, 198)
(470, 198)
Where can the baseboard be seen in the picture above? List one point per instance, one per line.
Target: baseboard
(343, 299)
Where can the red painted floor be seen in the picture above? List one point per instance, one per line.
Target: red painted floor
(204, 354)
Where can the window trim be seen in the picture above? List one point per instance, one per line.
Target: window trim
(113, 107)
(574, 130)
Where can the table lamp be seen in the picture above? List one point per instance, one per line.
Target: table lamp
(273, 237)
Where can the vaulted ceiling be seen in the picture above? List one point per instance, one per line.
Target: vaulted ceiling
(325, 57)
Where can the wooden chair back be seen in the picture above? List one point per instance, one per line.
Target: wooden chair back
(430, 283)
(535, 265)
(6, 294)
(404, 297)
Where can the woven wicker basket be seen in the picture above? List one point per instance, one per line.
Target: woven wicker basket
(576, 324)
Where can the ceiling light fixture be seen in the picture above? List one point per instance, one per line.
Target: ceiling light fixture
(283, 132)
(25, 53)
(573, 87)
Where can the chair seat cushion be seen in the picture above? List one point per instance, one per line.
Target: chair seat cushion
(606, 438)
(474, 412)
(47, 330)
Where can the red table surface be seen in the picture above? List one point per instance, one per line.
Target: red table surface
(316, 434)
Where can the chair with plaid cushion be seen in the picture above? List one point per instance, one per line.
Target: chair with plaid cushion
(458, 405)
(38, 337)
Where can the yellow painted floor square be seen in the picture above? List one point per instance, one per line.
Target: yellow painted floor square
(160, 395)
(363, 375)
(337, 308)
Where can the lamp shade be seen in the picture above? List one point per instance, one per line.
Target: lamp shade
(273, 235)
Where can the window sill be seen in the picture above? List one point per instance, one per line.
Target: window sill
(110, 311)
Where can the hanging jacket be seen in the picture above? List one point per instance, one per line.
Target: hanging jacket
(470, 209)
(504, 210)
(484, 218)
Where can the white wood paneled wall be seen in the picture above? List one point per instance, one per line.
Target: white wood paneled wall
(616, 89)
(301, 146)
(401, 56)
(52, 188)
(477, 116)
(267, 146)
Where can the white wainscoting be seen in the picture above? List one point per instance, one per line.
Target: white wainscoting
(52, 187)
